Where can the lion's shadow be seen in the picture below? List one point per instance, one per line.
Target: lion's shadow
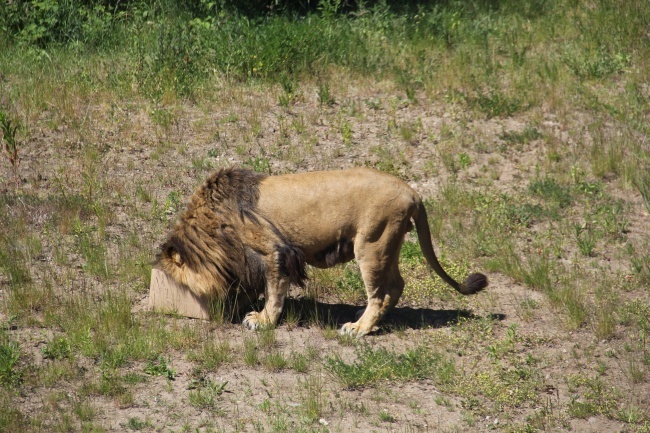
(306, 312)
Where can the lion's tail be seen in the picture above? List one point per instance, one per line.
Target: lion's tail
(474, 282)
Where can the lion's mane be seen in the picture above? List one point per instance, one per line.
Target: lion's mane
(216, 246)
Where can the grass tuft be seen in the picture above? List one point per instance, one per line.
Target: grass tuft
(10, 374)
(375, 365)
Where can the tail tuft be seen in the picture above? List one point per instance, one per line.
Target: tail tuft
(473, 284)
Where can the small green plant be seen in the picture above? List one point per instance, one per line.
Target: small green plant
(642, 183)
(495, 103)
(502, 347)
(58, 348)
(265, 406)
(13, 264)
(407, 133)
(259, 164)
(346, 132)
(173, 202)
(374, 104)
(137, 424)
(84, 410)
(292, 316)
(163, 117)
(134, 378)
(538, 272)
(206, 394)
(313, 399)
(593, 397)
(220, 311)
(411, 253)
(585, 238)
(10, 127)
(550, 189)
(110, 384)
(405, 78)
(92, 249)
(526, 136)
(632, 414)
(641, 268)
(448, 157)
(143, 194)
(385, 416)
(324, 95)
(526, 308)
(201, 165)
(464, 160)
(288, 90)
(159, 367)
(274, 361)
(251, 355)
(299, 362)
(594, 63)
(266, 338)
(213, 354)
(9, 357)
(284, 100)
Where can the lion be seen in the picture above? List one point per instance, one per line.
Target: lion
(245, 234)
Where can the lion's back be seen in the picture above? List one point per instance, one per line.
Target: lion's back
(328, 206)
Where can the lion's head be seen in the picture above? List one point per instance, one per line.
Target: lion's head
(207, 250)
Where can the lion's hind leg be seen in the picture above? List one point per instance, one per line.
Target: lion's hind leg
(384, 289)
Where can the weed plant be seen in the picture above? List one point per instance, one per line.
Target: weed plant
(10, 127)
(205, 396)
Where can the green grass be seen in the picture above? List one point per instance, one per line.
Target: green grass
(211, 354)
(11, 418)
(10, 374)
(274, 361)
(313, 398)
(206, 395)
(58, 348)
(373, 366)
(250, 354)
(159, 367)
(526, 136)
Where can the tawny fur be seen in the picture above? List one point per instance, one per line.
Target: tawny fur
(244, 234)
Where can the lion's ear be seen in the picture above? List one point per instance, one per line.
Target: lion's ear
(175, 256)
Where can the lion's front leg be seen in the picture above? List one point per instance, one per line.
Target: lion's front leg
(276, 292)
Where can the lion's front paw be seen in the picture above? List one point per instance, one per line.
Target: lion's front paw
(252, 321)
(353, 329)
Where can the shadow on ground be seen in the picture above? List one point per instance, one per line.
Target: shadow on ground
(308, 311)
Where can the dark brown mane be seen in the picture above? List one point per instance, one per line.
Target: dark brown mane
(233, 190)
(212, 238)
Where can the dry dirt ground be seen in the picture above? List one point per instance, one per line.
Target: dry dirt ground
(163, 149)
